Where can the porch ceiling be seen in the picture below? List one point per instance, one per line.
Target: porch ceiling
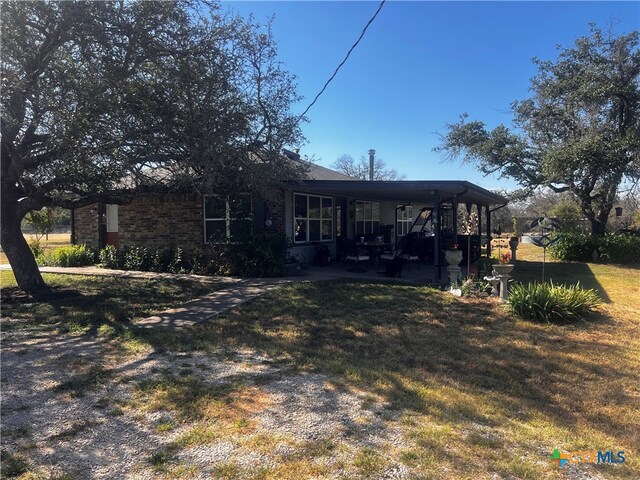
(405, 191)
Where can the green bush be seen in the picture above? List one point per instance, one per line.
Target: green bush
(613, 248)
(259, 255)
(109, 257)
(552, 303)
(620, 248)
(36, 249)
(136, 258)
(71, 256)
(575, 247)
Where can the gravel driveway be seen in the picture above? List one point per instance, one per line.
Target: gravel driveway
(68, 408)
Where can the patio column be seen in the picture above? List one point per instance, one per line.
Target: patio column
(437, 238)
(454, 220)
(488, 231)
(479, 210)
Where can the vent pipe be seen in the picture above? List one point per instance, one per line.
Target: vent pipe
(372, 154)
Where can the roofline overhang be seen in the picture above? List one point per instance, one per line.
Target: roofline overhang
(405, 190)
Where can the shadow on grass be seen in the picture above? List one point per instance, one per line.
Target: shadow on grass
(423, 351)
(565, 273)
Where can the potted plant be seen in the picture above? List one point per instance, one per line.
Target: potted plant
(454, 256)
(503, 267)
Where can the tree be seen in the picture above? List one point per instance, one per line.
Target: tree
(347, 165)
(42, 221)
(579, 132)
(103, 100)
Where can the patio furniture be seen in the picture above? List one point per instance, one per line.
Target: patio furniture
(355, 256)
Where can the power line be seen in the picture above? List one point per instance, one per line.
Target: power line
(343, 61)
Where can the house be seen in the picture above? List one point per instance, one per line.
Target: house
(326, 208)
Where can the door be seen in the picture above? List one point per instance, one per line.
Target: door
(111, 235)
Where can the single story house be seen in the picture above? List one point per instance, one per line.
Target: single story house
(327, 208)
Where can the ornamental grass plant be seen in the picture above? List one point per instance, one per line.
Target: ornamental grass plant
(552, 303)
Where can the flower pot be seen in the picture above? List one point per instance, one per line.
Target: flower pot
(503, 269)
(453, 257)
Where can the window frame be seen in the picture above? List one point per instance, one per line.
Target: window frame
(364, 219)
(405, 219)
(227, 218)
(307, 219)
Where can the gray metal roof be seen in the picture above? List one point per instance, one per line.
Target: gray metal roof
(405, 191)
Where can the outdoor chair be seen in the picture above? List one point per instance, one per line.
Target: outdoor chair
(355, 256)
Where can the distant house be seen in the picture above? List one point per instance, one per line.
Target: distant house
(327, 208)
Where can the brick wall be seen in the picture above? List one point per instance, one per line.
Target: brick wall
(162, 222)
(87, 229)
(165, 221)
(276, 201)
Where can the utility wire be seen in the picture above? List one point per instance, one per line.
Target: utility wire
(343, 61)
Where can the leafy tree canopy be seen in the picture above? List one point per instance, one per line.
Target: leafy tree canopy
(103, 99)
(579, 132)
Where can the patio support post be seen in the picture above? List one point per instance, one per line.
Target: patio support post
(488, 232)
(437, 238)
(454, 220)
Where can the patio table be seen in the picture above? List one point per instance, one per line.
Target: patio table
(375, 249)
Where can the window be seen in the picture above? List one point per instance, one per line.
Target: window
(226, 218)
(405, 220)
(312, 218)
(367, 218)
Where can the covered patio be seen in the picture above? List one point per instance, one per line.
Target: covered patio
(426, 214)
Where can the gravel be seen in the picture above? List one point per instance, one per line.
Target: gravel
(79, 430)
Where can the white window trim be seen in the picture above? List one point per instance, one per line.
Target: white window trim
(227, 219)
(364, 220)
(321, 219)
(407, 221)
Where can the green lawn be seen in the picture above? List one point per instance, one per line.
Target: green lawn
(478, 392)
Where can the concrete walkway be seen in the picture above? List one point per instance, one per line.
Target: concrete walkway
(234, 292)
(210, 305)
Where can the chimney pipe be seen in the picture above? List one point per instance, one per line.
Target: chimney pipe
(372, 154)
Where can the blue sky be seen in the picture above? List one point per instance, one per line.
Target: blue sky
(419, 66)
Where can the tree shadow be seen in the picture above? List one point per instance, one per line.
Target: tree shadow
(410, 344)
(561, 273)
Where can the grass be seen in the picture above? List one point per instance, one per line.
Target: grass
(480, 392)
(105, 305)
(54, 241)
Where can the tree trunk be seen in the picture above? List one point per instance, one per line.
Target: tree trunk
(18, 252)
(598, 228)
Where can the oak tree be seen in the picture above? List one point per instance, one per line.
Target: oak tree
(579, 132)
(103, 100)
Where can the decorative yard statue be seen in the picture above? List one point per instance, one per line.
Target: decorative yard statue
(548, 226)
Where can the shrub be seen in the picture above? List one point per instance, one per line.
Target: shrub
(614, 248)
(136, 258)
(36, 249)
(109, 257)
(259, 255)
(552, 303)
(620, 248)
(175, 264)
(71, 256)
(575, 247)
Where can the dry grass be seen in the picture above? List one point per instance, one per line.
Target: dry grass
(54, 241)
(479, 393)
